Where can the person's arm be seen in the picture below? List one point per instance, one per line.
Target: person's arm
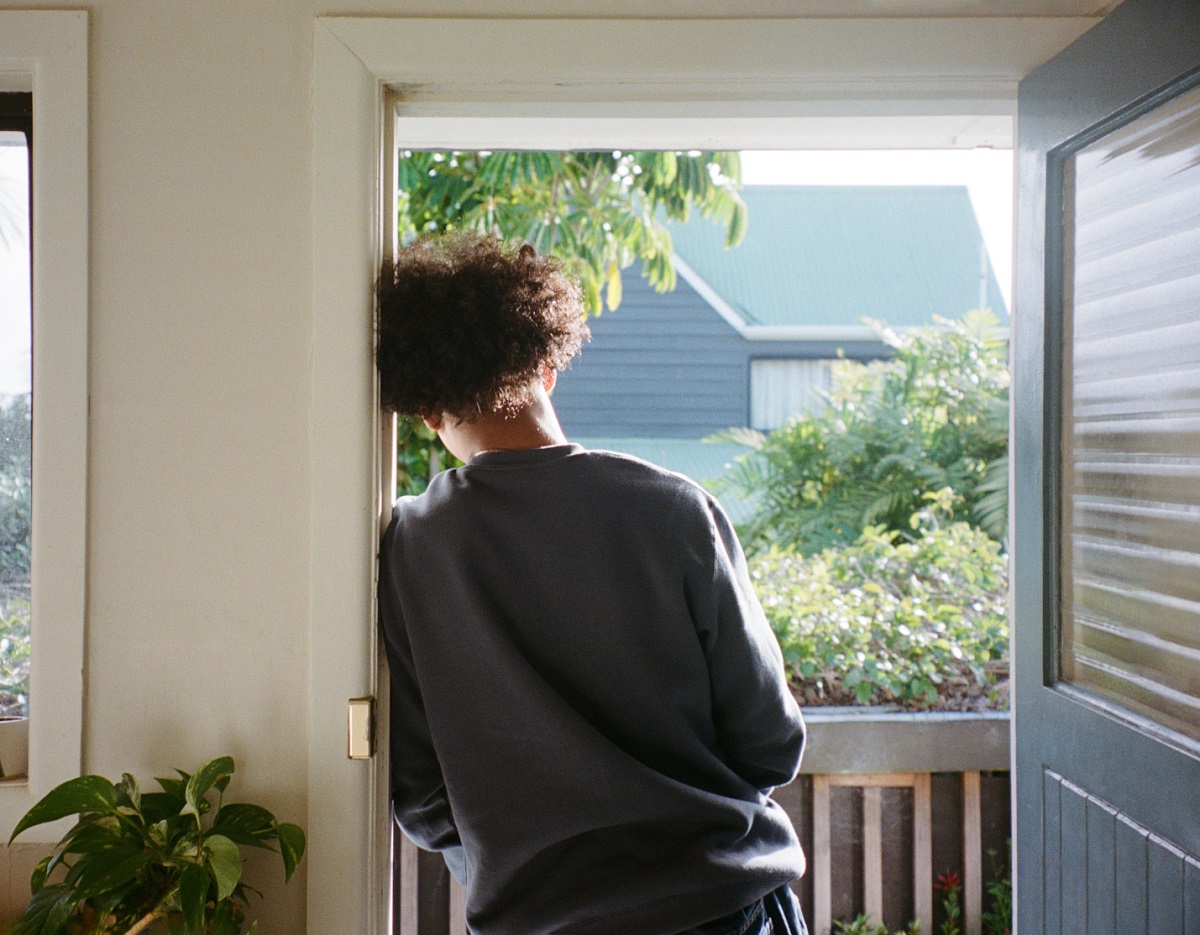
(419, 798)
(759, 725)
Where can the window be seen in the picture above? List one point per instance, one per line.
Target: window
(43, 61)
(16, 427)
(780, 389)
(1131, 436)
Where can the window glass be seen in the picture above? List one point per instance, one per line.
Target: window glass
(780, 389)
(1131, 416)
(16, 403)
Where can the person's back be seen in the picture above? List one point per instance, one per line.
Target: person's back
(589, 708)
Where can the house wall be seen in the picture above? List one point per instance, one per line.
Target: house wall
(669, 366)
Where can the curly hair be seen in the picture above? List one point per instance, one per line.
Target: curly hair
(466, 323)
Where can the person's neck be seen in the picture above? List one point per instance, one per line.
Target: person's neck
(534, 425)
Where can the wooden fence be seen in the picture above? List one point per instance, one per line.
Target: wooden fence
(876, 843)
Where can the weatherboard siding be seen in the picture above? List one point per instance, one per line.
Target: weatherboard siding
(668, 366)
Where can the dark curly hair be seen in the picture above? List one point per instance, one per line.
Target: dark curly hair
(466, 323)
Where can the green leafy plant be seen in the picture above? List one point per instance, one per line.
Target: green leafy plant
(419, 456)
(865, 925)
(14, 650)
(997, 915)
(16, 491)
(949, 884)
(597, 211)
(134, 859)
(919, 622)
(931, 419)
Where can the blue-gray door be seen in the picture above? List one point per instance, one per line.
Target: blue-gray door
(1106, 480)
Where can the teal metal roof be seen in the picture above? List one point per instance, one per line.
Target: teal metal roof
(832, 255)
(702, 461)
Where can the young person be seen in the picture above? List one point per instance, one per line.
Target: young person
(589, 708)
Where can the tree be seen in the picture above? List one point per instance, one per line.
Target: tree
(928, 426)
(597, 211)
(16, 495)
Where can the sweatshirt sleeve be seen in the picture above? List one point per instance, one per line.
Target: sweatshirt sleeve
(419, 797)
(759, 725)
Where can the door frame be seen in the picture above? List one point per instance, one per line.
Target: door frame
(706, 83)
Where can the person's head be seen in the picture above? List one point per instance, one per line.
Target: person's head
(469, 325)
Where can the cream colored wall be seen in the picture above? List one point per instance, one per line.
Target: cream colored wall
(200, 342)
(200, 308)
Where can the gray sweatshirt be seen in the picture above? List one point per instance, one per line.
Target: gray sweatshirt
(589, 708)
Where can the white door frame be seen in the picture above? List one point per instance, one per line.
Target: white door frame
(474, 83)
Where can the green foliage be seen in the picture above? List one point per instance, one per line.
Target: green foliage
(949, 884)
(16, 490)
(133, 857)
(16, 525)
(597, 211)
(930, 421)
(863, 925)
(14, 650)
(997, 915)
(920, 623)
(419, 455)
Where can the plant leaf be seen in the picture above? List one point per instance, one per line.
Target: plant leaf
(291, 847)
(40, 873)
(246, 824)
(172, 787)
(193, 894)
(50, 901)
(102, 875)
(85, 794)
(130, 790)
(225, 863)
(203, 779)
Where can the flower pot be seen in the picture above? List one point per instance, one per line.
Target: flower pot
(868, 740)
(14, 747)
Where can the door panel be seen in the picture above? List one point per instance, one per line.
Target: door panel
(1108, 789)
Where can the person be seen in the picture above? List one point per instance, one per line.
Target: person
(589, 708)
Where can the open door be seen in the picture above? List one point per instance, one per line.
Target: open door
(1106, 480)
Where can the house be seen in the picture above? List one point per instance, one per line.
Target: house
(750, 334)
(207, 223)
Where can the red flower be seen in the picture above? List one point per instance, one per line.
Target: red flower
(948, 881)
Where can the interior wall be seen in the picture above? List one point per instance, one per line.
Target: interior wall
(200, 353)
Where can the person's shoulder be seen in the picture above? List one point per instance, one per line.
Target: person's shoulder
(641, 477)
(634, 469)
(412, 510)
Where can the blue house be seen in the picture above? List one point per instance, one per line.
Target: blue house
(750, 335)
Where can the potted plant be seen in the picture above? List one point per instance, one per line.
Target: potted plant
(135, 862)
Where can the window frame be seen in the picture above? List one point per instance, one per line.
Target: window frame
(45, 52)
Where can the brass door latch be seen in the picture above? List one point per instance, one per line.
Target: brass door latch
(360, 728)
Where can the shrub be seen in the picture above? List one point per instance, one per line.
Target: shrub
(16, 496)
(918, 623)
(934, 417)
(14, 650)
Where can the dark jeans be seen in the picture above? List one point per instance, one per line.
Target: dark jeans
(777, 913)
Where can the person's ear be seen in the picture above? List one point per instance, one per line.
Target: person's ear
(549, 378)
(435, 423)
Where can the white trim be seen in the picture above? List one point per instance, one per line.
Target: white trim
(811, 333)
(702, 83)
(48, 51)
(347, 122)
(709, 294)
(910, 65)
